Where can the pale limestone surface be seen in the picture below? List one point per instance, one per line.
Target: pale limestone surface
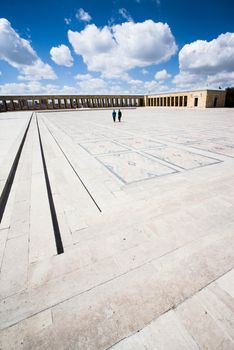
(154, 268)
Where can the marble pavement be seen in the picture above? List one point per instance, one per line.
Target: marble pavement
(117, 235)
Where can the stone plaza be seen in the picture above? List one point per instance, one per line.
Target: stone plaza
(117, 235)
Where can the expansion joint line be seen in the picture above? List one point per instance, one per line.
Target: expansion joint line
(57, 235)
(10, 179)
(82, 182)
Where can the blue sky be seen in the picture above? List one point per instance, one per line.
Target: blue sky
(119, 46)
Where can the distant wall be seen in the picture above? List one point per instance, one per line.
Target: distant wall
(215, 99)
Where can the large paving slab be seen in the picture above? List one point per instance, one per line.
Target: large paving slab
(118, 235)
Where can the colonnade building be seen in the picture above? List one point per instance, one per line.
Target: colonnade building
(12, 103)
(189, 99)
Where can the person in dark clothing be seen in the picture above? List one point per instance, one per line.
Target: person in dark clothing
(119, 115)
(114, 115)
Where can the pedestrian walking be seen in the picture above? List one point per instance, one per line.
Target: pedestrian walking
(114, 115)
(119, 115)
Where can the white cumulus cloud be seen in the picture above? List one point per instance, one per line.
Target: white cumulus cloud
(19, 54)
(207, 63)
(135, 82)
(61, 55)
(35, 88)
(186, 80)
(88, 84)
(38, 71)
(162, 75)
(154, 87)
(82, 77)
(83, 16)
(114, 50)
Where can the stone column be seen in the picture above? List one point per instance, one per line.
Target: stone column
(21, 104)
(12, 105)
(40, 106)
(5, 105)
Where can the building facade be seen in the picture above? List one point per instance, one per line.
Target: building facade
(189, 99)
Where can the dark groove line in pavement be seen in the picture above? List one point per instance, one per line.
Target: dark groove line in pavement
(57, 235)
(90, 195)
(10, 179)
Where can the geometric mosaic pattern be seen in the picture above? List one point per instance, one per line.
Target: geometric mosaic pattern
(139, 143)
(132, 166)
(181, 158)
(215, 148)
(102, 147)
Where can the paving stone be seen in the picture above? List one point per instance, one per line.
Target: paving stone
(14, 271)
(139, 143)
(144, 271)
(131, 166)
(227, 283)
(201, 324)
(215, 148)
(181, 158)
(3, 239)
(166, 332)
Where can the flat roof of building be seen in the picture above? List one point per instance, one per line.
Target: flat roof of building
(186, 91)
